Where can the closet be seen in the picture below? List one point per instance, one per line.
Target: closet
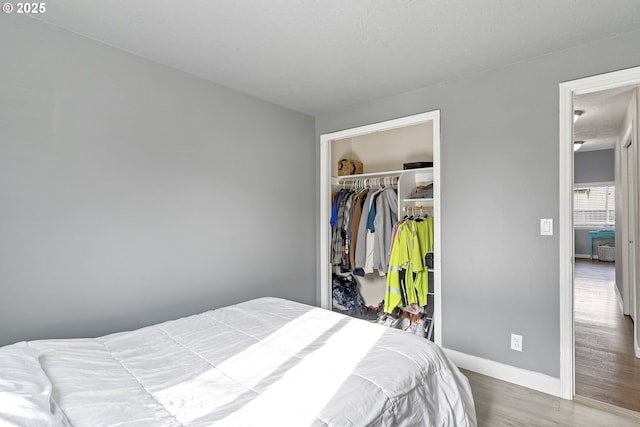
(384, 149)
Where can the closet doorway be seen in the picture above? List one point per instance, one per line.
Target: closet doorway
(327, 181)
(568, 92)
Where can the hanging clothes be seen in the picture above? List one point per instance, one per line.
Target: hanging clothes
(385, 220)
(342, 223)
(358, 205)
(337, 220)
(408, 275)
(355, 215)
(360, 252)
(371, 232)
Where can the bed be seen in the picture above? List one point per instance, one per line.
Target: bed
(262, 362)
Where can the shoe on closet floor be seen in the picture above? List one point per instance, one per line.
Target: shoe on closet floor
(392, 322)
(388, 320)
(405, 324)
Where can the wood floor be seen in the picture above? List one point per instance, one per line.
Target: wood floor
(499, 403)
(606, 369)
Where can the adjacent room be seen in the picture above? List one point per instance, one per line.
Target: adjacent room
(319, 213)
(606, 366)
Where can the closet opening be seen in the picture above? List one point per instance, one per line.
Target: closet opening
(393, 166)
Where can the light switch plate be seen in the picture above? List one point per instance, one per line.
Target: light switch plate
(546, 226)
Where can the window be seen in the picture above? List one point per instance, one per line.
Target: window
(594, 205)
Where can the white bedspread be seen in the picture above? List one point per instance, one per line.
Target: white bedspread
(265, 362)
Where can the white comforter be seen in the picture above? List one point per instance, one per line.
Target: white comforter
(266, 362)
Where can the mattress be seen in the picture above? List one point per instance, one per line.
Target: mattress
(262, 362)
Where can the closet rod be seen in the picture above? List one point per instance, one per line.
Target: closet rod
(418, 208)
(393, 180)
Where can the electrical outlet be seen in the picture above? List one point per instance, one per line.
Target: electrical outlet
(516, 342)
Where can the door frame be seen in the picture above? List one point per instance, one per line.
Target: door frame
(325, 203)
(568, 90)
(628, 294)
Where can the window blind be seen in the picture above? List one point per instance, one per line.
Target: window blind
(594, 205)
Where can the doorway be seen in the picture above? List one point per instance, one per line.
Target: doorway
(568, 91)
(605, 365)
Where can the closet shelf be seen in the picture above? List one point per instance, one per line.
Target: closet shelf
(335, 180)
(418, 200)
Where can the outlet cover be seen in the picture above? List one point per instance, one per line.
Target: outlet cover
(516, 342)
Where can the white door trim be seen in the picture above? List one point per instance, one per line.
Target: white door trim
(325, 203)
(629, 154)
(612, 80)
(621, 147)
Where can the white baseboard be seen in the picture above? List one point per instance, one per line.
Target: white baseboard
(508, 373)
(637, 349)
(620, 302)
(586, 256)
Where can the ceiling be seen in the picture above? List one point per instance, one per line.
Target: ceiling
(315, 56)
(600, 124)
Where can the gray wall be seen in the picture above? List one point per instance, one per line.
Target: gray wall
(632, 117)
(591, 167)
(132, 193)
(499, 177)
(594, 166)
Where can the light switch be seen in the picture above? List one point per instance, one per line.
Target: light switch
(546, 226)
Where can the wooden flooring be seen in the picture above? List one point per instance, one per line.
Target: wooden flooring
(499, 403)
(606, 368)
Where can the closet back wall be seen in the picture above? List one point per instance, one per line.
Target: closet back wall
(398, 146)
(499, 176)
(132, 193)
